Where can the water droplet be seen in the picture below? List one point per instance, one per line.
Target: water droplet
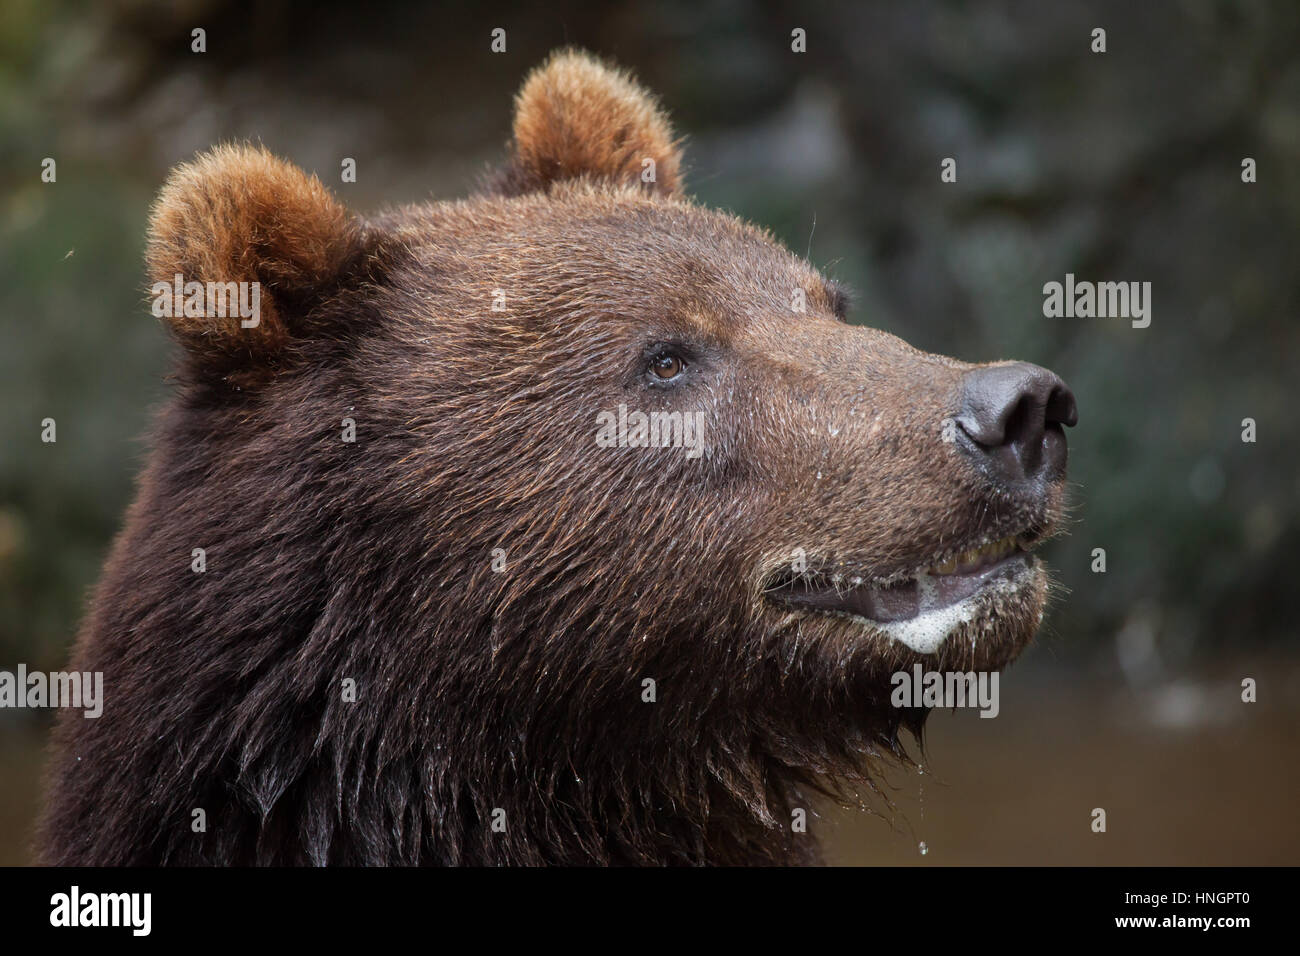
(924, 848)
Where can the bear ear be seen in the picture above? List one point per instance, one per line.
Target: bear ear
(238, 215)
(576, 117)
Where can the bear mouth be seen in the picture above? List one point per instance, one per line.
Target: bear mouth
(922, 607)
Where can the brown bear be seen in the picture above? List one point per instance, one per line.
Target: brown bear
(569, 523)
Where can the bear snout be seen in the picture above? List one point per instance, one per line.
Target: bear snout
(1013, 417)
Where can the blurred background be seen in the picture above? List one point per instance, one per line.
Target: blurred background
(1122, 166)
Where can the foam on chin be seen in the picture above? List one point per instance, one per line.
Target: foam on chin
(925, 632)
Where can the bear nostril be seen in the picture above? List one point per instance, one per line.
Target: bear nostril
(1061, 407)
(1014, 415)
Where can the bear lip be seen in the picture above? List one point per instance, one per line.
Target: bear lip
(904, 597)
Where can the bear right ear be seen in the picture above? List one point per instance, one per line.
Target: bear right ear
(576, 117)
(241, 246)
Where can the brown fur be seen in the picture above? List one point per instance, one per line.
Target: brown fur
(517, 689)
(576, 116)
(238, 214)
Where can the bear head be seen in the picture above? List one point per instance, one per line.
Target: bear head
(599, 501)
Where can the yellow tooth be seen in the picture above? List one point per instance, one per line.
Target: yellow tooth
(994, 549)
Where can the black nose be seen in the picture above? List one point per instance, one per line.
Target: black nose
(1013, 415)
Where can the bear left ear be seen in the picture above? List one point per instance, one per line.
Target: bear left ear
(576, 117)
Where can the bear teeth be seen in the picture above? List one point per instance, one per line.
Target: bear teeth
(974, 559)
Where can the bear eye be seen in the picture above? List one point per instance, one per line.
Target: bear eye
(667, 365)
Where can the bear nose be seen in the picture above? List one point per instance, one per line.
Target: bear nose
(1013, 414)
